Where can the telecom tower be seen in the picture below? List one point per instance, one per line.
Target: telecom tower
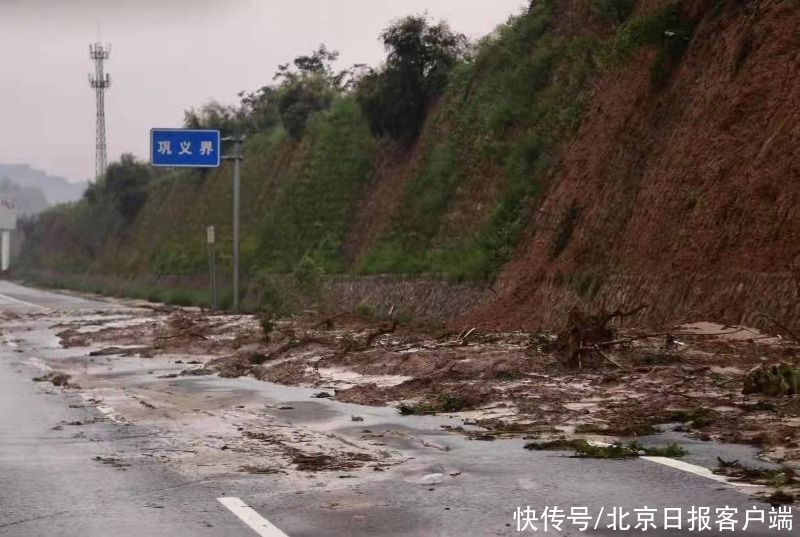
(100, 82)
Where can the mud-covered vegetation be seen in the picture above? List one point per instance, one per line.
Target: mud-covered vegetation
(619, 450)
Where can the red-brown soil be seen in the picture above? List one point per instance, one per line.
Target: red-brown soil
(682, 185)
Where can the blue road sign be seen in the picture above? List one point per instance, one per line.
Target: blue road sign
(185, 148)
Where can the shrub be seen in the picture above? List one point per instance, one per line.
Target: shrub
(212, 115)
(298, 99)
(450, 402)
(124, 186)
(308, 87)
(267, 323)
(645, 30)
(614, 11)
(308, 275)
(365, 310)
(395, 98)
(273, 296)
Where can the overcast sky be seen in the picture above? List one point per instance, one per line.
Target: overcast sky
(169, 55)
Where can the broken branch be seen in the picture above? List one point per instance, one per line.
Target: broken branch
(182, 334)
(780, 325)
(604, 355)
(328, 323)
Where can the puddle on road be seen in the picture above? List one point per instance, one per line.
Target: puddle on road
(324, 415)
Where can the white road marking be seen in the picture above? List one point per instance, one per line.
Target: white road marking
(249, 516)
(698, 470)
(747, 488)
(22, 302)
(701, 471)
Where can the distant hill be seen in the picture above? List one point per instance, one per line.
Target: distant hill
(30, 199)
(55, 189)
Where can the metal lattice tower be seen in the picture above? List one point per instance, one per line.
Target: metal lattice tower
(100, 82)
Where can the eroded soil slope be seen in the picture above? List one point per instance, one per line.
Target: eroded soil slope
(683, 195)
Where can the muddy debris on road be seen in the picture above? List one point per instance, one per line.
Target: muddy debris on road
(706, 380)
(56, 378)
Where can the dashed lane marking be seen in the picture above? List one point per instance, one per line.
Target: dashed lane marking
(249, 516)
(697, 470)
(692, 469)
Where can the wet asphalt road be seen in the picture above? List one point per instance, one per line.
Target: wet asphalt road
(51, 483)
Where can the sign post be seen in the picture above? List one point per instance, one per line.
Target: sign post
(237, 158)
(196, 148)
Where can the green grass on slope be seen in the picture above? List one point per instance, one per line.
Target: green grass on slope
(502, 116)
(315, 203)
(508, 110)
(425, 199)
(169, 237)
(504, 111)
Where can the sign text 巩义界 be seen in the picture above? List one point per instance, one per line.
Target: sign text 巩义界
(185, 148)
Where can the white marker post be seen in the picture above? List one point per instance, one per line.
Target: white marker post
(212, 265)
(8, 222)
(6, 249)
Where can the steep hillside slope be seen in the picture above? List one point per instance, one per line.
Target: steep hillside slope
(683, 197)
(490, 144)
(604, 153)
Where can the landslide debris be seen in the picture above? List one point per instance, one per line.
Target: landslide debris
(113, 462)
(783, 485)
(305, 460)
(316, 462)
(56, 378)
(594, 379)
(585, 449)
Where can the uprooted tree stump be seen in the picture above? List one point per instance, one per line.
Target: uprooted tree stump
(774, 380)
(585, 335)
